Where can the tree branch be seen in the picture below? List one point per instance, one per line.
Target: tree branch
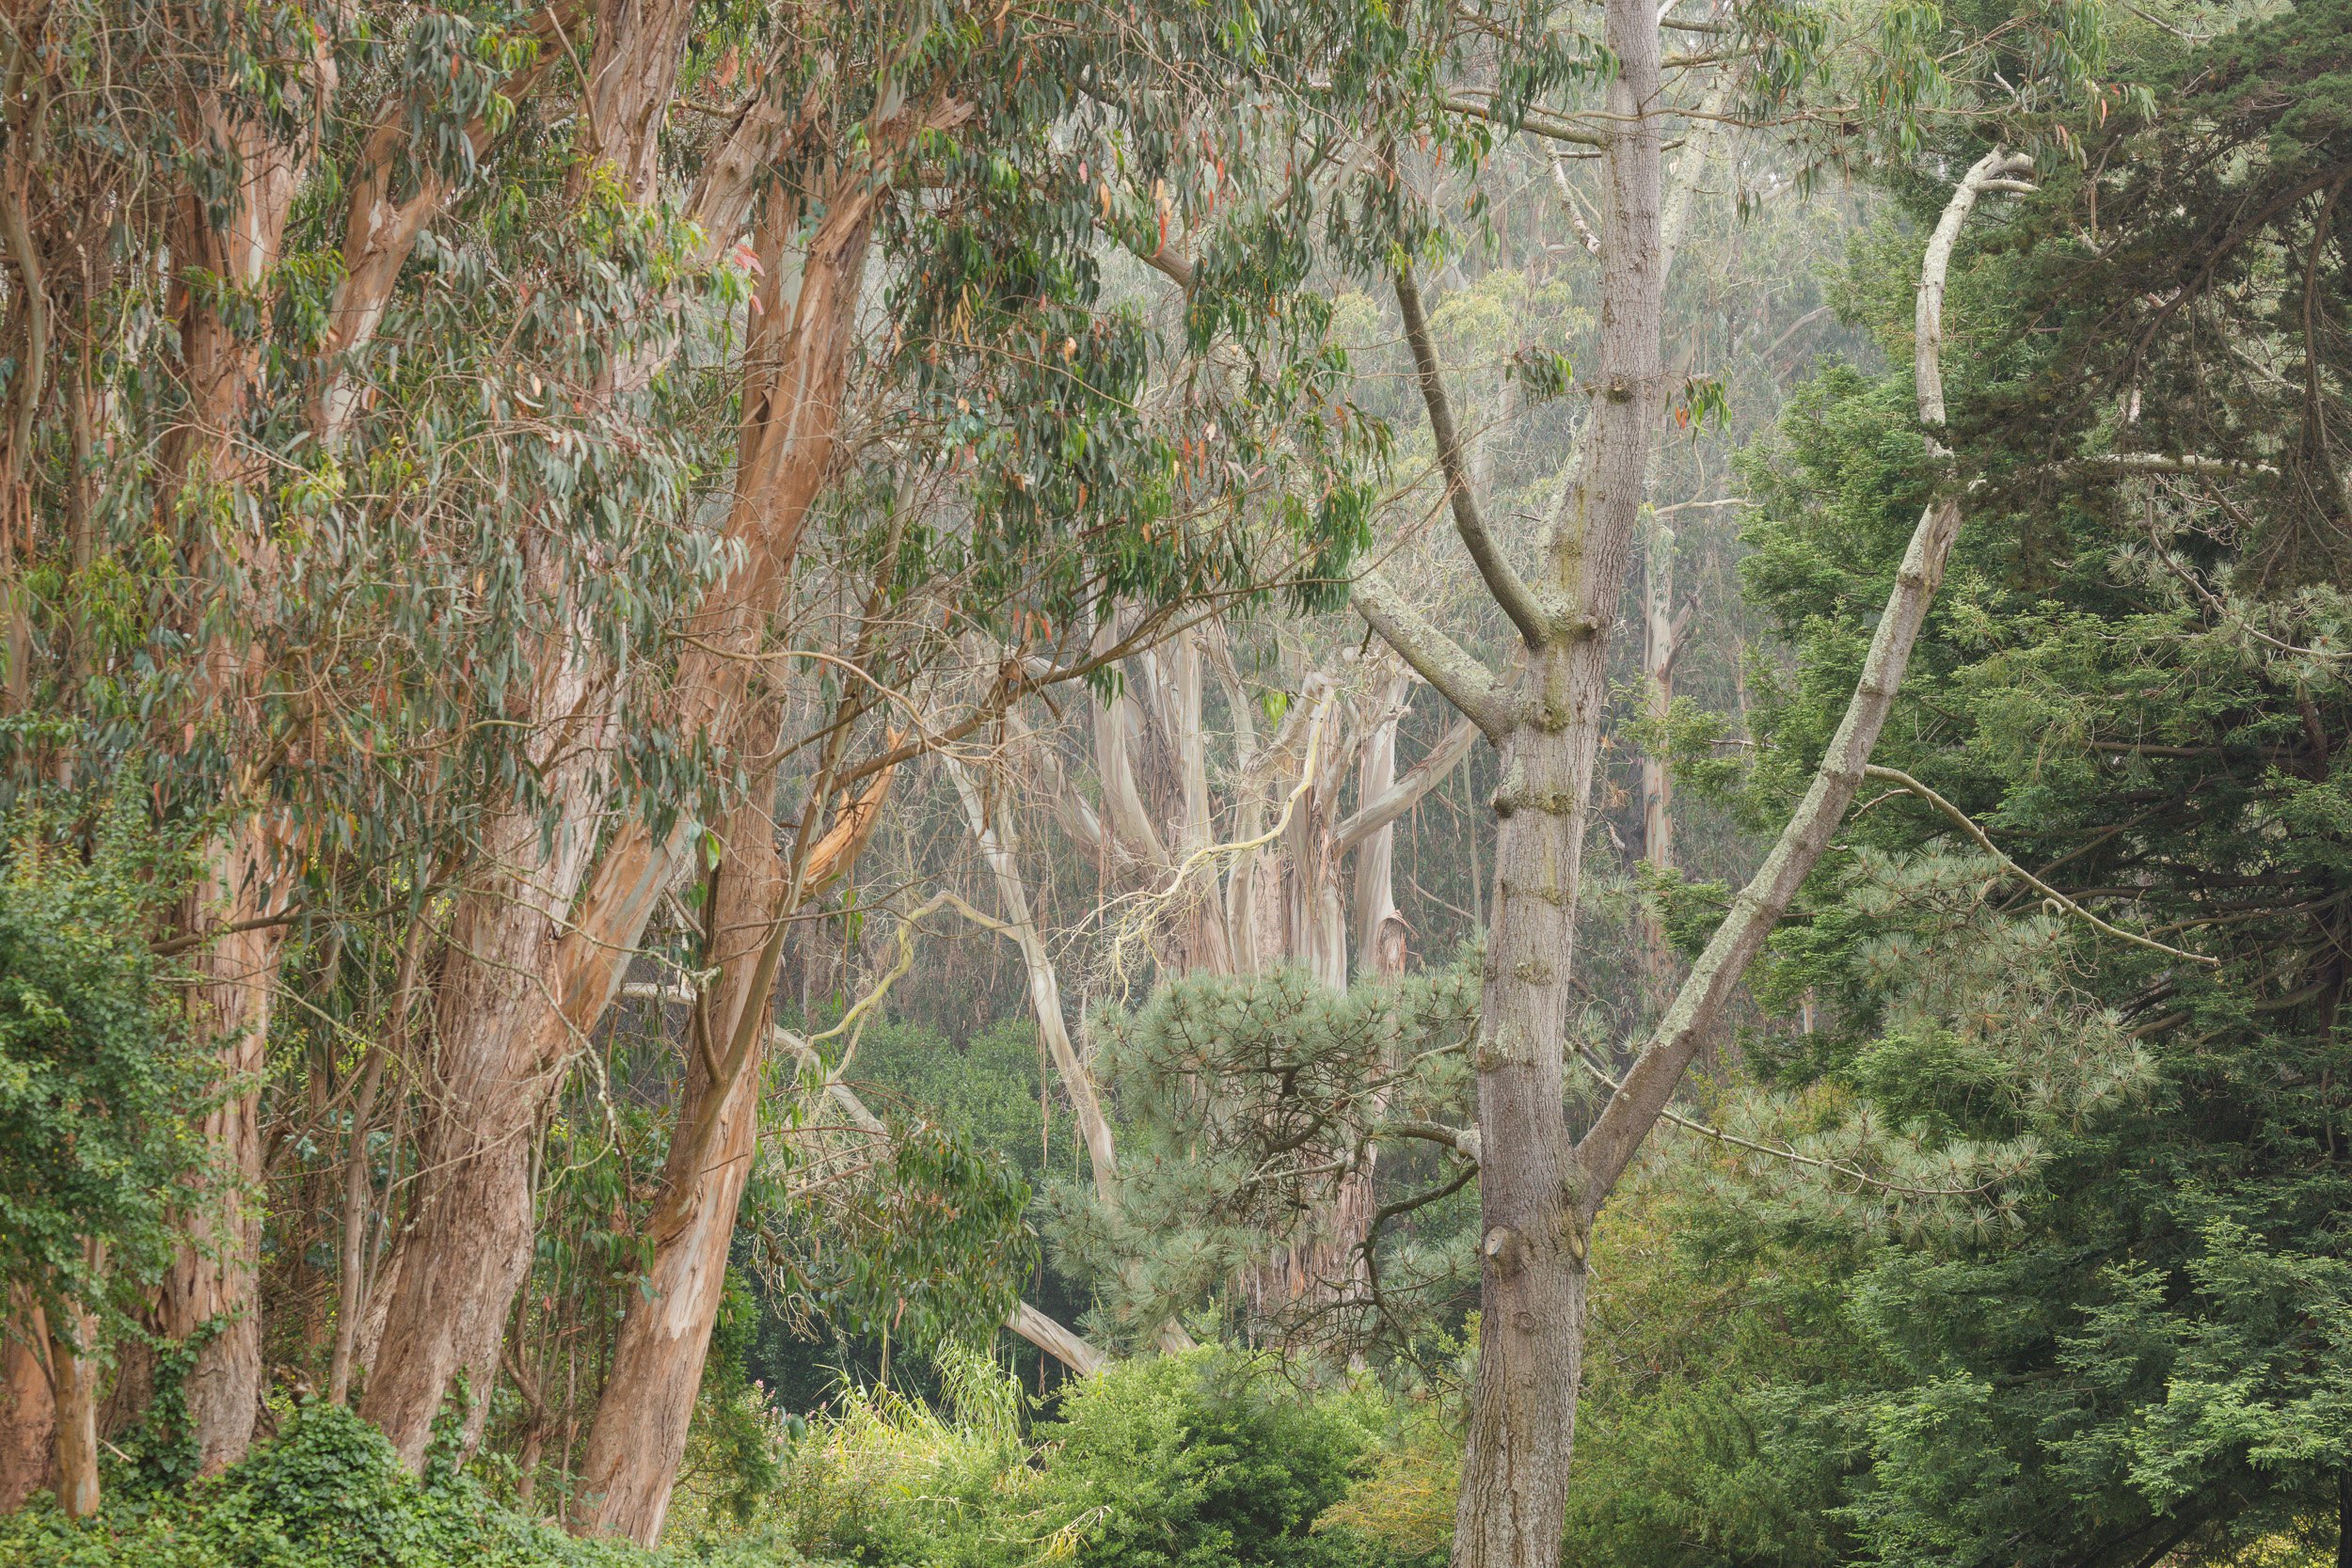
(1502, 580)
(1904, 781)
(1459, 676)
(1372, 815)
(1650, 1084)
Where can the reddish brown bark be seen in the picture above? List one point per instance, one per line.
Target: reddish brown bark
(638, 1437)
(212, 1292)
(28, 1416)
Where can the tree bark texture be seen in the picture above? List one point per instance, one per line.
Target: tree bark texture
(211, 1294)
(73, 1385)
(1532, 1248)
(28, 1416)
(638, 1439)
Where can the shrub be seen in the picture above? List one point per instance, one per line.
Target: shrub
(1204, 1460)
(327, 1493)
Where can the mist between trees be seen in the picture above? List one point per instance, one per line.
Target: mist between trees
(1139, 783)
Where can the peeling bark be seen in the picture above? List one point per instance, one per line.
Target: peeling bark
(638, 1438)
(213, 1287)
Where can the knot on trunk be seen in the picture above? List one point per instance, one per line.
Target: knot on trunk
(1507, 1250)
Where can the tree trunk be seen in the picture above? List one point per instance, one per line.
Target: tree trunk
(504, 1045)
(1532, 1248)
(638, 1438)
(28, 1416)
(73, 1381)
(212, 1292)
(211, 1295)
(1661, 638)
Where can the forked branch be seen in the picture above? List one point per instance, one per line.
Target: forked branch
(1648, 1087)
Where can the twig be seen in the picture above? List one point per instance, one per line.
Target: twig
(1904, 781)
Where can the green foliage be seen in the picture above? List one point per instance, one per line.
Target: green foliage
(1198, 1461)
(2116, 1325)
(327, 1493)
(1248, 1105)
(918, 1237)
(97, 1092)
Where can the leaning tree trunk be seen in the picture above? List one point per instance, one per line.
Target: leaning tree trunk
(638, 1438)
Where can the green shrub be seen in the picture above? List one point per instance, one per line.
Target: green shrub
(96, 1092)
(1193, 1462)
(1205, 1460)
(327, 1493)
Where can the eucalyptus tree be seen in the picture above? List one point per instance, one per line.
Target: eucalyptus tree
(429, 567)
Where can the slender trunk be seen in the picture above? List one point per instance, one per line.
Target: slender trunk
(992, 832)
(637, 1437)
(28, 1414)
(1380, 930)
(73, 1378)
(1661, 638)
(358, 1210)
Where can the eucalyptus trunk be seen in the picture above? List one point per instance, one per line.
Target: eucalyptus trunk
(28, 1414)
(638, 1439)
(210, 1295)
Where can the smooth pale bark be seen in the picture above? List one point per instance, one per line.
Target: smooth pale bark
(1650, 1084)
(992, 832)
(506, 1040)
(1319, 1267)
(1664, 626)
